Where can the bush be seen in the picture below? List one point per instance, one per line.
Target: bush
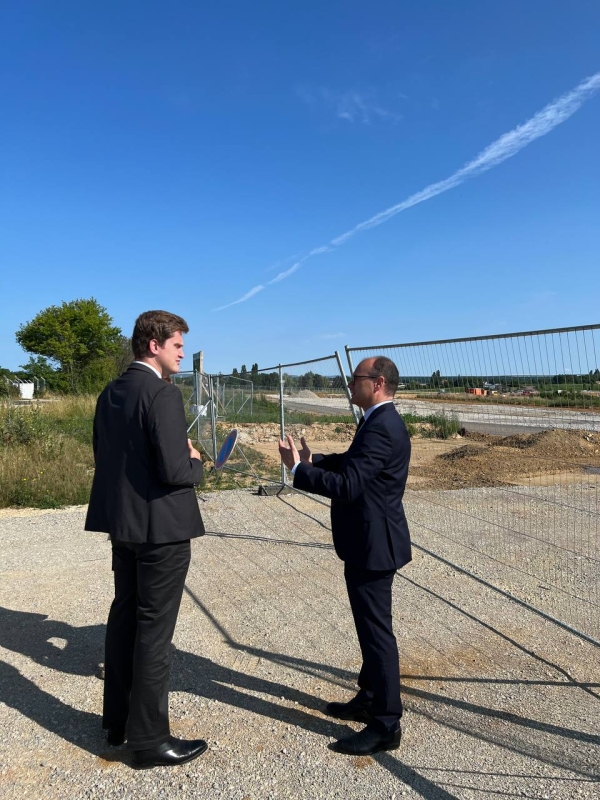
(443, 426)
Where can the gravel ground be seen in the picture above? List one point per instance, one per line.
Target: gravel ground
(498, 701)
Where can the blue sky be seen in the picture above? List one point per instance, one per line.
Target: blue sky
(180, 155)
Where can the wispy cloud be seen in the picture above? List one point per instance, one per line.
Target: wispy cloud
(330, 335)
(242, 299)
(352, 105)
(358, 107)
(508, 145)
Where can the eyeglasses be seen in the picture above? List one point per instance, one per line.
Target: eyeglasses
(358, 377)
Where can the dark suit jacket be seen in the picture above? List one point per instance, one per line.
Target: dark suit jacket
(366, 485)
(143, 488)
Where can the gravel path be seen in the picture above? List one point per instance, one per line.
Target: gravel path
(498, 701)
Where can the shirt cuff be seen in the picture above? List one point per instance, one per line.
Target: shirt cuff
(294, 468)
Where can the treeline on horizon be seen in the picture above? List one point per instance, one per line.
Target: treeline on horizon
(318, 382)
(75, 348)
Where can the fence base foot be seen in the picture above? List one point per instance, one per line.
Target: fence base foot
(274, 490)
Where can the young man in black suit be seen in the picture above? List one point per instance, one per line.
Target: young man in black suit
(370, 535)
(143, 496)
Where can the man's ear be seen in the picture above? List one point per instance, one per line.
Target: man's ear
(153, 347)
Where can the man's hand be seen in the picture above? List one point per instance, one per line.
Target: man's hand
(305, 454)
(288, 452)
(193, 452)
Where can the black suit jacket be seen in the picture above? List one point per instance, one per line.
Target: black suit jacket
(366, 485)
(143, 488)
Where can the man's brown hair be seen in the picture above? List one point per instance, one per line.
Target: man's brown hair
(385, 367)
(159, 325)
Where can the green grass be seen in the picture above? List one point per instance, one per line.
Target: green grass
(546, 399)
(46, 458)
(434, 426)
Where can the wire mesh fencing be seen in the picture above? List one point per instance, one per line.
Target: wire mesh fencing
(196, 391)
(309, 399)
(506, 466)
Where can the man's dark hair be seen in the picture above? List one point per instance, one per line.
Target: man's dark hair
(385, 367)
(159, 325)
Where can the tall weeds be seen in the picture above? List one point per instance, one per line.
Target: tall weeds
(46, 456)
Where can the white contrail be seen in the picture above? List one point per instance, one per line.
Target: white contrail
(243, 299)
(283, 275)
(508, 145)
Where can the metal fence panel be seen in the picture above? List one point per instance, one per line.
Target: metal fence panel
(264, 404)
(516, 498)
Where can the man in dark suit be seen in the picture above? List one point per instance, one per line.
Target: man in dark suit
(370, 535)
(143, 496)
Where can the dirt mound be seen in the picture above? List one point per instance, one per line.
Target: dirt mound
(555, 443)
(306, 393)
(509, 460)
(466, 451)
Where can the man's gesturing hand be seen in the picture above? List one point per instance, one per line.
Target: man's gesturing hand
(193, 452)
(288, 452)
(305, 454)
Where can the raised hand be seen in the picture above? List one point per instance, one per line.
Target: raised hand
(288, 452)
(304, 453)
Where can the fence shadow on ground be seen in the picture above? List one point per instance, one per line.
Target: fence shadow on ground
(31, 635)
(526, 736)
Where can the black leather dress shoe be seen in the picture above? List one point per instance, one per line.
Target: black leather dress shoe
(115, 736)
(355, 709)
(169, 754)
(368, 741)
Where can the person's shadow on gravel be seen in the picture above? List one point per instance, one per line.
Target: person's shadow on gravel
(80, 728)
(52, 643)
(73, 650)
(58, 646)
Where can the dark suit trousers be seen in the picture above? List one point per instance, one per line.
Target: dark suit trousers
(370, 594)
(149, 581)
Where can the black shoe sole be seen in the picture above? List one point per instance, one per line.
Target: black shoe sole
(157, 762)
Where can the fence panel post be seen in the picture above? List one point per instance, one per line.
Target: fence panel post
(345, 384)
(213, 417)
(197, 383)
(281, 422)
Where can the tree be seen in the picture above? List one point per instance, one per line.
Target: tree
(123, 354)
(74, 335)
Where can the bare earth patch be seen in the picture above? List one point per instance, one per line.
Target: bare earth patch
(475, 460)
(540, 458)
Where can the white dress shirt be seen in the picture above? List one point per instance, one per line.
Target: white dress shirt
(145, 364)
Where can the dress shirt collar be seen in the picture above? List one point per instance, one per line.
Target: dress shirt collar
(145, 364)
(369, 411)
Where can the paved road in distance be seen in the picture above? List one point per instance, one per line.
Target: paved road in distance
(492, 418)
